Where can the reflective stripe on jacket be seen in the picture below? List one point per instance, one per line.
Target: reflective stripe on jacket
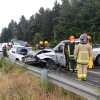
(82, 53)
(71, 55)
(41, 47)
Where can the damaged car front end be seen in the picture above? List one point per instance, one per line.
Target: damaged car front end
(47, 57)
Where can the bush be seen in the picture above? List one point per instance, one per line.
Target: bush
(37, 38)
(53, 44)
(34, 48)
(6, 66)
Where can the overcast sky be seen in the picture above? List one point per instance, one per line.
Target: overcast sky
(14, 9)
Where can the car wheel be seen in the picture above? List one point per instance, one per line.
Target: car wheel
(98, 60)
(51, 64)
(17, 60)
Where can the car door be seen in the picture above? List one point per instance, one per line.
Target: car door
(60, 55)
(12, 53)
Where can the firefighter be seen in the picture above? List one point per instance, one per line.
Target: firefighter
(46, 45)
(90, 65)
(41, 46)
(70, 49)
(82, 54)
(85, 34)
(8, 48)
(90, 41)
(27, 44)
(4, 51)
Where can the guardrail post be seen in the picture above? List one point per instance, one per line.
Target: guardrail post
(44, 75)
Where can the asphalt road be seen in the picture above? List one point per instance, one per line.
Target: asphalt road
(93, 75)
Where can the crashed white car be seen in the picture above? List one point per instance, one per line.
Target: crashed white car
(54, 57)
(18, 53)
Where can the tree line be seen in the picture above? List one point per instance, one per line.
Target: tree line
(72, 17)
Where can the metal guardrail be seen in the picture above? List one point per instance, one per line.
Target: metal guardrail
(81, 88)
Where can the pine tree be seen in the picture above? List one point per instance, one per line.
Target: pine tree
(97, 33)
(56, 15)
(75, 9)
(62, 29)
(87, 17)
(47, 25)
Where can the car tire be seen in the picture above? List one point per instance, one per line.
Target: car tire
(51, 64)
(17, 60)
(98, 60)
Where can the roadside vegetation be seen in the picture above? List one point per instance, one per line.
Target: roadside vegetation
(17, 84)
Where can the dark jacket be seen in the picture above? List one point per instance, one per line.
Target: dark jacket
(41, 47)
(4, 51)
(70, 48)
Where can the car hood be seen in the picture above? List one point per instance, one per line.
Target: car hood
(31, 53)
(45, 51)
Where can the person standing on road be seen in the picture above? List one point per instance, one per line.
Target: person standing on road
(27, 44)
(8, 48)
(4, 51)
(46, 45)
(41, 46)
(70, 49)
(82, 54)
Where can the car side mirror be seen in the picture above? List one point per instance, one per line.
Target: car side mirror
(13, 51)
(56, 51)
(60, 50)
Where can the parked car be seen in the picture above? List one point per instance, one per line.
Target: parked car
(19, 42)
(19, 52)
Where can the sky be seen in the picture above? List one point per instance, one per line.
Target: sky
(14, 9)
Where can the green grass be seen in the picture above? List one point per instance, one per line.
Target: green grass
(18, 84)
(48, 86)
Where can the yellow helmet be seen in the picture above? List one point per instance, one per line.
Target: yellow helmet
(89, 37)
(41, 42)
(46, 42)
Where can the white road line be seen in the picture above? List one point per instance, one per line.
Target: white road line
(94, 72)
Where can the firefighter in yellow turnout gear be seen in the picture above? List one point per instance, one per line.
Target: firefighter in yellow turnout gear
(90, 65)
(70, 49)
(46, 45)
(82, 54)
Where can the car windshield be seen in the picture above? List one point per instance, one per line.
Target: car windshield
(29, 49)
(22, 51)
(19, 42)
(19, 48)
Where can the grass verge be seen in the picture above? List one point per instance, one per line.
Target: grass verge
(17, 84)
